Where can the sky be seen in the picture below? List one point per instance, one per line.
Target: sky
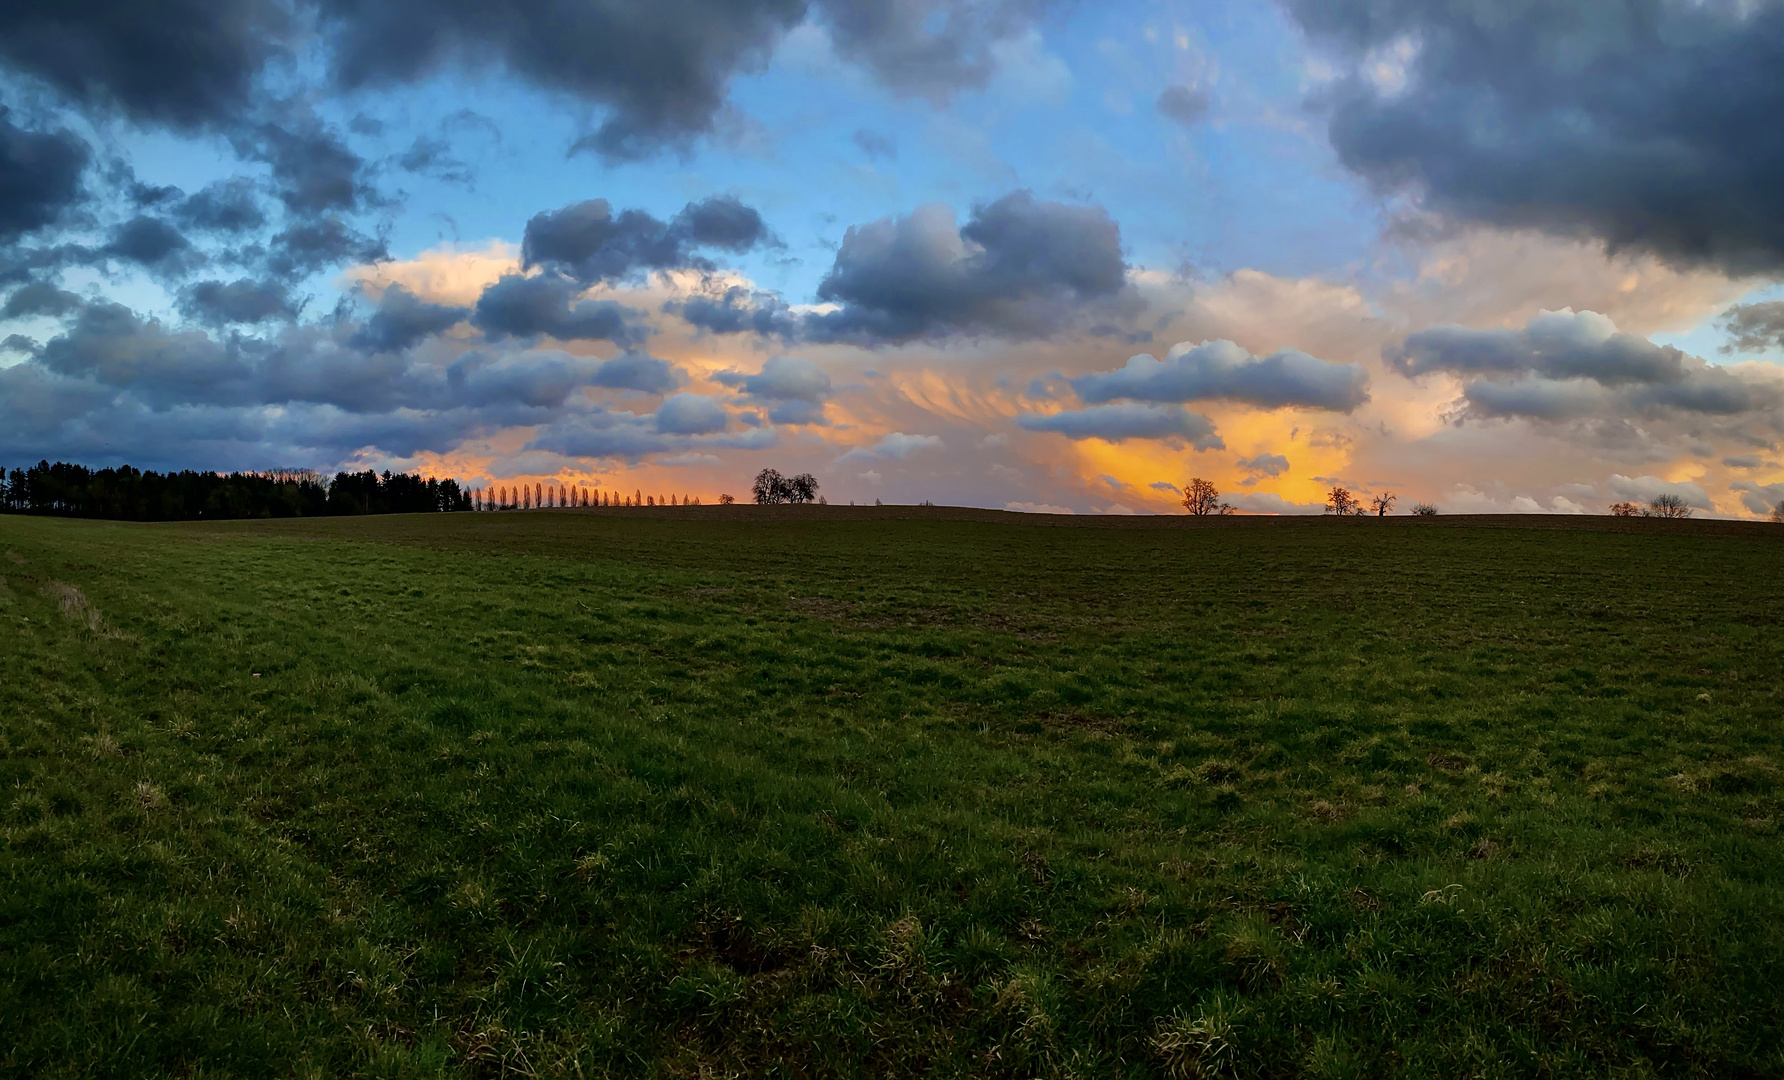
(1520, 256)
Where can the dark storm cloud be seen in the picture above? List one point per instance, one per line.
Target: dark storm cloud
(630, 437)
(243, 301)
(1118, 423)
(1650, 124)
(403, 319)
(636, 371)
(40, 175)
(39, 298)
(1536, 398)
(309, 246)
(546, 305)
(1184, 105)
(186, 63)
(591, 243)
(116, 384)
(1555, 344)
(150, 242)
(931, 48)
(533, 380)
(109, 345)
(1570, 366)
(662, 69)
(1019, 268)
(227, 206)
(738, 310)
(1223, 370)
(315, 171)
(71, 421)
(1754, 327)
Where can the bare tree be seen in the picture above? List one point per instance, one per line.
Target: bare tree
(1625, 509)
(1341, 502)
(768, 487)
(771, 487)
(1201, 498)
(1423, 509)
(1778, 514)
(726, 500)
(1383, 505)
(1667, 506)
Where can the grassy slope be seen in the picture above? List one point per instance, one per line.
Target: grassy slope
(597, 794)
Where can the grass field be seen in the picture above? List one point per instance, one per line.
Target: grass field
(716, 792)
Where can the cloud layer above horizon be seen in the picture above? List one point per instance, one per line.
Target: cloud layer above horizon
(993, 252)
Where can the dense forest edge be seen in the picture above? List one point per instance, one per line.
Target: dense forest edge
(130, 494)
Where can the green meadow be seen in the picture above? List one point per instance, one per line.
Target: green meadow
(834, 792)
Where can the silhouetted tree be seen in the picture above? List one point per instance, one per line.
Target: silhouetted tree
(1201, 498)
(726, 500)
(1667, 506)
(1625, 509)
(1778, 514)
(769, 487)
(1341, 502)
(772, 488)
(1383, 505)
(1423, 509)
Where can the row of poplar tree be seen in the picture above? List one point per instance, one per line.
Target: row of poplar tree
(130, 494)
(538, 496)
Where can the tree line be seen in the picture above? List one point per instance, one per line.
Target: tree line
(549, 496)
(770, 488)
(126, 493)
(1201, 498)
